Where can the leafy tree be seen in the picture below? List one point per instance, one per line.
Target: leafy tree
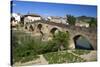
(71, 19)
(93, 22)
(61, 40)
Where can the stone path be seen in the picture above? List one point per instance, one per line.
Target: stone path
(90, 56)
(43, 60)
(75, 54)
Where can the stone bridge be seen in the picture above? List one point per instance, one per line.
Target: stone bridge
(48, 28)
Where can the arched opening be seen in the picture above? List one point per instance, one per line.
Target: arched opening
(22, 21)
(31, 28)
(12, 19)
(53, 31)
(82, 43)
(25, 27)
(67, 32)
(39, 26)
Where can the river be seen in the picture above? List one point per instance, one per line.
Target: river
(83, 43)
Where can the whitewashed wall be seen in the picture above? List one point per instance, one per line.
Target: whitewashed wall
(31, 19)
(16, 16)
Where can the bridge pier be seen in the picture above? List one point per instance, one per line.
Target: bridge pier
(71, 44)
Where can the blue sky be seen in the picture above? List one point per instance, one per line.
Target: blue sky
(53, 9)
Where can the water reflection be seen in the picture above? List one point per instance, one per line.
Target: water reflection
(82, 43)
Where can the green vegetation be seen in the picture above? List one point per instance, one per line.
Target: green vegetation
(22, 47)
(26, 47)
(61, 40)
(62, 57)
(81, 52)
(71, 19)
(84, 18)
(93, 22)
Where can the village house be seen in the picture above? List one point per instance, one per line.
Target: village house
(81, 24)
(15, 19)
(13, 22)
(58, 19)
(17, 16)
(31, 18)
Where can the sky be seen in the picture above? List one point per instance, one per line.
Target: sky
(53, 9)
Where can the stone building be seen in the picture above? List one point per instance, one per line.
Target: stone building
(15, 19)
(17, 16)
(58, 19)
(81, 24)
(31, 18)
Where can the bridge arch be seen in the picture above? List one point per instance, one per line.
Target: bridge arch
(31, 28)
(39, 26)
(67, 31)
(75, 32)
(26, 27)
(54, 30)
(82, 42)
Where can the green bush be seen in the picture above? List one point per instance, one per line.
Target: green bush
(22, 46)
(61, 40)
(28, 58)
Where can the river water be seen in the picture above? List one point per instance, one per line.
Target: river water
(83, 43)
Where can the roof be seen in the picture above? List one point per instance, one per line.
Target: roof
(33, 15)
(57, 17)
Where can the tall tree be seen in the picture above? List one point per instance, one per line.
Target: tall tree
(93, 22)
(71, 19)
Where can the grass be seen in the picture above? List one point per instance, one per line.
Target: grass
(29, 58)
(81, 52)
(62, 57)
(24, 56)
(23, 47)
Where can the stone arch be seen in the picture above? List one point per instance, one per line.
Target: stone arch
(39, 26)
(86, 44)
(54, 30)
(31, 28)
(67, 31)
(26, 27)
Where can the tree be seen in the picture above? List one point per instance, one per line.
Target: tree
(93, 22)
(61, 40)
(71, 19)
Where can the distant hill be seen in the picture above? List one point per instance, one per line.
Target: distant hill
(85, 18)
